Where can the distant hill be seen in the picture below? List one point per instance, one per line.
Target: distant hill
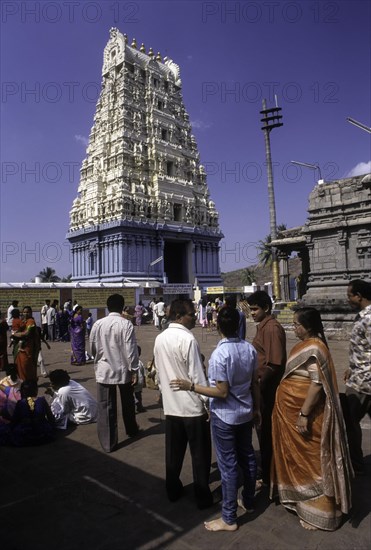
(262, 274)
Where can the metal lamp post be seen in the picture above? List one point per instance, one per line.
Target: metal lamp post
(311, 166)
(359, 124)
(271, 119)
(156, 261)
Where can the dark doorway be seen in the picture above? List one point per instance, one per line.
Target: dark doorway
(175, 262)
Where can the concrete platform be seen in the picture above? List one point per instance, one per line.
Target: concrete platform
(70, 495)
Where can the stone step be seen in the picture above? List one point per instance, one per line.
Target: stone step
(285, 315)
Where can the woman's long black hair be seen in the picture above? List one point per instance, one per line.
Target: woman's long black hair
(311, 320)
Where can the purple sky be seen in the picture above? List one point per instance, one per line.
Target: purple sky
(315, 55)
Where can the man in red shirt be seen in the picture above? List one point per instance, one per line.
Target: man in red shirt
(270, 344)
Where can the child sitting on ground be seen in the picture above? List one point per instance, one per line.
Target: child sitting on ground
(71, 401)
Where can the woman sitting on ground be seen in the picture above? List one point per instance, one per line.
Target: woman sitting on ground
(11, 378)
(32, 422)
(9, 394)
(311, 467)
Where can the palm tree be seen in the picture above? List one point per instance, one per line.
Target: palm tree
(248, 276)
(265, 250)
(48, 275)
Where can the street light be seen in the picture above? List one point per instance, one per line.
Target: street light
(359, 124)
(156, 261)
(311, 166)
(272, 119)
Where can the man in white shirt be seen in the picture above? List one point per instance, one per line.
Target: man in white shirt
(9, 318)
(159, 310)
(71, 401)
(115, 352)
(177, 355)
(51, 315)
(152, 307)
(44, 320)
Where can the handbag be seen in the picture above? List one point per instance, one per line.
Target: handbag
(151, 375)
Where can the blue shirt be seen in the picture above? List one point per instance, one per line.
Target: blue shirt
(233, 361)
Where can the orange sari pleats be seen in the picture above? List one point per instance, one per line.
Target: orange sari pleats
(296, 464)
(311, 474)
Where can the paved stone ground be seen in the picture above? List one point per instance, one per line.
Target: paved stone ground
(71, 495)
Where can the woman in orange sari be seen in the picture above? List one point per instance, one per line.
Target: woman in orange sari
(26, 347)
(311, 468)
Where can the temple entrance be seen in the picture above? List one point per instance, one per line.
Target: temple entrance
(176, 262)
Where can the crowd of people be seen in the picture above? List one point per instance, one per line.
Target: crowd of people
(58, 323)
(308, 454)
(294, 403)
(28, 419)
(157, 312)
(25, 418)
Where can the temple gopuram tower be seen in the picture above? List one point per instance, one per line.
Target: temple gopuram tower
(142, 193)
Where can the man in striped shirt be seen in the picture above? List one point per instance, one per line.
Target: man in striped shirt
(358, 377)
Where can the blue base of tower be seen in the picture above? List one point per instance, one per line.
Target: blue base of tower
(125, 249)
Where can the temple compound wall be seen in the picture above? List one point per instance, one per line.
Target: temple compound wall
(334, 244)
(143, 194)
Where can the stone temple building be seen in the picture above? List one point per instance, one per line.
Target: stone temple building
(334, 246)
(143, 194)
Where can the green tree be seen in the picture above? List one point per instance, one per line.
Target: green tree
(265, 250)
(48, 275)
(248, 276)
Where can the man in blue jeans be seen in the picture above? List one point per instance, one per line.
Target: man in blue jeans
(234, 406)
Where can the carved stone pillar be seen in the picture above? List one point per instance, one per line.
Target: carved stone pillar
(195, 258)
(119, 254)
(116, 254)
(284, 276)
(103, 257)
(131, 255)
(124, 254)
(100, 260)
(302, 282)
(138, 253)
(209, 258)
(74, 269)
(216, 258)
(81, 260)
